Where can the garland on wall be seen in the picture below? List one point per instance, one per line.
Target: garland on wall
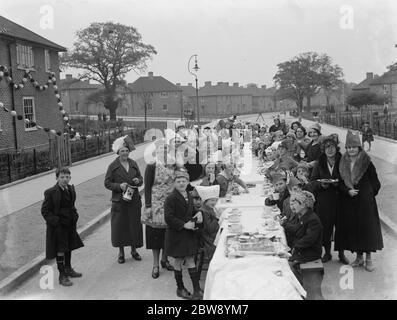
(27, 77)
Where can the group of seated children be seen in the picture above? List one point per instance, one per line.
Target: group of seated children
(302, 226)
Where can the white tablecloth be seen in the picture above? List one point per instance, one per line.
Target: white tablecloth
(251, 277)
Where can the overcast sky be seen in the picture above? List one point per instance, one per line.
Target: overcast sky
(236, 40)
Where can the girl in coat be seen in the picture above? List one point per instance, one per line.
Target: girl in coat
(360, 231)
(123, 173)
(181, 240)
(209, 196)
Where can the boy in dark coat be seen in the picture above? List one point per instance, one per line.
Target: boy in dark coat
(307, 234)
(59, 212)
(181, 241)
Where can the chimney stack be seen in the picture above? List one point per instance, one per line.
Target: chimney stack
(263, 86)
(178, 84)
(189, 84)
(151, 75)
(226, 84)
(208, 83)
(370, 75)
(69, 77)
(235, 84)
(219, 83)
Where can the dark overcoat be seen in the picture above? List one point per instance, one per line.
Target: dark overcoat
(61, 224)
(179, 242)
(327, 204)
(126, 227)
(360, 229)
(307, 238)
(209, 230)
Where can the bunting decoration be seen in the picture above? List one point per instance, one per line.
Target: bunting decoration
(27, 77)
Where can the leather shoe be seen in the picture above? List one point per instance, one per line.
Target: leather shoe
(184, 294)
(155, 272)
(343, 259)
(326, 257)
(121, 259)
(65, 281)
(198, 295)
(136, 256)
(73, 274)
(165, 264)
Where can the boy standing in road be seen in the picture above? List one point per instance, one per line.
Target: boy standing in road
(59, 212)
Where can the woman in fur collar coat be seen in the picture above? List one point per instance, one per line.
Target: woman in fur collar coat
(360, 231)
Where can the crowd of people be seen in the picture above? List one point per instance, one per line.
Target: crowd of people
(324, 196)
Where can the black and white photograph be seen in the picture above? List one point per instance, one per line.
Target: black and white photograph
(214, 151)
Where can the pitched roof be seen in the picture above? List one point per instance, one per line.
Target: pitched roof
(223, 90)
(388, 77)
(153, 84)
(363, 84)
(260, 92)
(188, 91)
(7, 27)
(77, 84)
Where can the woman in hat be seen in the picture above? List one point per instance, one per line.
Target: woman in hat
(159, 182)
(295, 148)
(360, 229)
(313, 150)
(302, 141)
(328, 193)
(123, 175)
(181, 240)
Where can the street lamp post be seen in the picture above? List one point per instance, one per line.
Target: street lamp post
(195, 68)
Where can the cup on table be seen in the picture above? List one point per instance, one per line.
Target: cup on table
(276, 196)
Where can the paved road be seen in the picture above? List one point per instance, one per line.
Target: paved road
(22, 195)
(105, 279)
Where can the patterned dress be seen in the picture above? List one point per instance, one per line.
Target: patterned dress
(159, 181)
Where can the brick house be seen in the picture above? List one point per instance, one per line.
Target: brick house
(384, 85)
(21, 50)
(162, 97)
(74, 94)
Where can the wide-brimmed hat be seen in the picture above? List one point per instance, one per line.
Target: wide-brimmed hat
(277, 176)
(122, 142)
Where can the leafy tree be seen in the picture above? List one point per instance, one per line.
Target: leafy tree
(360, 99)
(304, 75)
(106, 52)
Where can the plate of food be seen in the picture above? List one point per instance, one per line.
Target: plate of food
(327, 180)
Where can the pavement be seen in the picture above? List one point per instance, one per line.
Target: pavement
(104, 278)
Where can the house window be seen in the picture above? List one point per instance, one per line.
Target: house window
(176, 94)
(165, 107)
(25, 59)
(149, 106)
(202, 100)
(47, 60)
(385, 88)
(29, 111)
(164, 94)
(77, 106)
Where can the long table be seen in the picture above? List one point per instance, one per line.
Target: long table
(251, 277)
